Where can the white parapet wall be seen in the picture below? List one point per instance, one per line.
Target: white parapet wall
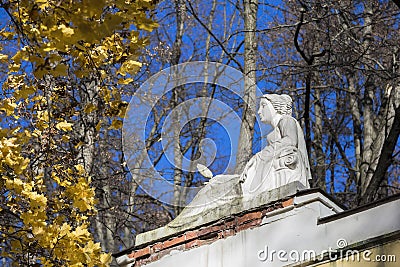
(306, 226)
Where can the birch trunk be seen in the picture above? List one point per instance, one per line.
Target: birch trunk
(180, 9)
(248, 118)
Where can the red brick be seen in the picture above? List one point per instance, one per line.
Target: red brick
(274, 207)
(163, 253)
(264, 211)
(249, 217)
(141, 252)
(174, 241)
(139, 263)
(288, 202)
(168, 251)
(229, 232)
(191, 244)
(191, 235)
(210, 229)
(221, 235)
(231, 223)
(157, 247)
(204, 231)
(248, 225)
(154, 257)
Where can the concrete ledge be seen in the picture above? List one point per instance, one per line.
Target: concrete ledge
(204, 235)
(237, 205)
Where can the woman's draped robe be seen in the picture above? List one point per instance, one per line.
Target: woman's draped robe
(282, 161)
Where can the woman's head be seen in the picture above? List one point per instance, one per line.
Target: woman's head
(266, 111)
(281, 103)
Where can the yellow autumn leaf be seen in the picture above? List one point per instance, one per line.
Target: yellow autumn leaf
(58, 180)
(89, 108)
(65, 138)
(64, 126)
(37, 230)
(24, 93)
(49, 48)
(60, 70)
(67, 31)
(115, 125)
(14, 67)
(129, 66)
(36, 133)
(80, 169)
(20, 55)
(147, 25)
(7, 35)
(105, 259)
(91, 247)
(79, 144)
(98, 126)
(10, 161)
(9, 142)
(3, 57)
(125, 81)
(8, 106)
(80, 232)
(65, 229)
(37, 201)
(42, 4)
(43, 115)
(16, 184)
(21, 167)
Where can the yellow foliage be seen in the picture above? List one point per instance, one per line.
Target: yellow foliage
(125, 81)
(67, 31)
(65, 44)
(8, 106)
(80, 169)
(64, 125)
(24, 92)
(3, 57)
(115, 125)
(89, 108)
(98, 126)
(65, 138)
(129, 66)
(82, 195)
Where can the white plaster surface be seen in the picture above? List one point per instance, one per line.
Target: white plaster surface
(295, 228)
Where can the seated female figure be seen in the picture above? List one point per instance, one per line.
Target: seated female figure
(284, 159)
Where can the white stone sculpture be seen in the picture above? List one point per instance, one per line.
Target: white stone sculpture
(283, 161)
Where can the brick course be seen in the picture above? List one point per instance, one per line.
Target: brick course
(205, 234)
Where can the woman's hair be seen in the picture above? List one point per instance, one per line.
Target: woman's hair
(281, 103)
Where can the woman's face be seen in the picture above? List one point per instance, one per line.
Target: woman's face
(266, 111)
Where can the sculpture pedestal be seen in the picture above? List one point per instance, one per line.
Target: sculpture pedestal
(216, 211)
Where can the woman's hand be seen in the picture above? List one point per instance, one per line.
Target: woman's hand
(249, 164)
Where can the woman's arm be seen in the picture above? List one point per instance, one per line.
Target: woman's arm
(288, 128)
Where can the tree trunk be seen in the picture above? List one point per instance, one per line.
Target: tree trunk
(248, 118)
(180, 9)
(356, 118)
(369, 132)
(320, 169)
